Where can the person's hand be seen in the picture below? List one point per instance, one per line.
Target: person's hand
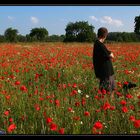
(112, 55)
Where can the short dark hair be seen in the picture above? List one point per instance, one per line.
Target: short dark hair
(102, 32)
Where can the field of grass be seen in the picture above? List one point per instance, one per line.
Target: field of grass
(51, 89)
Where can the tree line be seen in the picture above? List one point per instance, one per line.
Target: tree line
(80, 31)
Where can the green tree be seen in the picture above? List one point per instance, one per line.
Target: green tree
(56, 38)
(11, 35)
(137, 25)
(2, 39)
(21, 38)
(38, 34)
(79, 32)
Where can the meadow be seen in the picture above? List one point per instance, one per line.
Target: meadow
(50, 88)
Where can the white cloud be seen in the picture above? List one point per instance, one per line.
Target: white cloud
(109, 20)
(10, 18)
(34, 20)
(93, 18)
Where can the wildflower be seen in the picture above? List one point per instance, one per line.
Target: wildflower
(74, 92)
(79, 91)
(11, 128)
(132, 118)
(132, 107)
(96, 97)
(64, 86)
(61, 131)
(118, 93)
(129, 96)
(98, 110)
(74, 85)
(103, 91)
(77, 118)
(126, 83)
(10, 119)
(138, 96)
(6, 113)
(70, 109)
(87, 96)
(123, 102)
(41, 99)
(48, 120)
(83, 101)
(53, 126)
(98, 125)
(77, 104)
(23, 88)
(112, 108)
(37, 107)
(119, 84)
(87, 113)
(106, 106)
(17, 83)
(7, 97)
(57, 102)
(124, 109)
(137, 123)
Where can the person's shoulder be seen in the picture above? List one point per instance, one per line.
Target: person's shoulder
(98, 43)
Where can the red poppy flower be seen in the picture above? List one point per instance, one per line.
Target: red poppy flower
(87, 113)
(53, 126)
(61, 131)
(112, 108)
(98, 125)
(132, 107)
(10, 119)
(23, 88)
(137, 123)
(7, 97)
(17, 83)
(138, 97)
(77, 118)
(129, 96)
(6, 113)
(126, 83)
(74, 92)
(48, 120)
(70, 109)
(74, 85)
(98, 110)
(132, 118)
(41, 99)
(11, 128)
(57, 102)
(103, 91)
(77, 104)
(118, 93)
(123, 102)
(124, 109)
(106, 106)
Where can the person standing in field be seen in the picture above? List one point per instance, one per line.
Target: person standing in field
(102, 62)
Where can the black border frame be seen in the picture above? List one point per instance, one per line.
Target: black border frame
(69, 3)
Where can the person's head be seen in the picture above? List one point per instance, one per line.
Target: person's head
(102, 33)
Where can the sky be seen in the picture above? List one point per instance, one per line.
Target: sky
(55, 18)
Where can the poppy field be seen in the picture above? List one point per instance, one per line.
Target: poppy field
(50, 88)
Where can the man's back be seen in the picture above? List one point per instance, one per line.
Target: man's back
(101, 60)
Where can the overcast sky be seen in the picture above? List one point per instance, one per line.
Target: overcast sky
(55, 18)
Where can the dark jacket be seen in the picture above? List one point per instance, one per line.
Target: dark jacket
(101, 61)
